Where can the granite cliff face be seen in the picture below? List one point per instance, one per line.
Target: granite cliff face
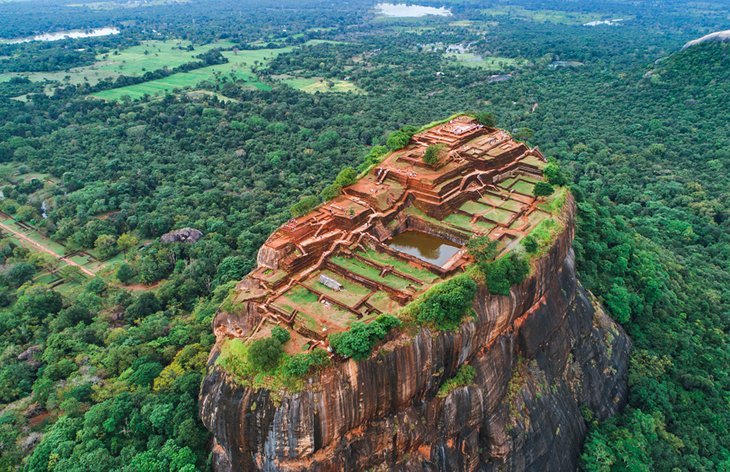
(543, 356)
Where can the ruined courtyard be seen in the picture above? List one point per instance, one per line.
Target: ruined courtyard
(394, 233)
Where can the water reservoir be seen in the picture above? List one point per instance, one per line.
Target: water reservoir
(424, 246)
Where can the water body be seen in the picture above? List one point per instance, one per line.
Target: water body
(401, 10)
(59, 35)
(426, 247)
(604, 22)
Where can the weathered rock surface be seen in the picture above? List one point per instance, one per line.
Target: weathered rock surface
(182, 235)
(542, 356)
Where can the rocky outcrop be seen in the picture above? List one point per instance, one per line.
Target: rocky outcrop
(182, 235)
(717, 36)
(543, 356)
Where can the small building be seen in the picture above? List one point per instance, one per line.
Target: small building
(330, 282)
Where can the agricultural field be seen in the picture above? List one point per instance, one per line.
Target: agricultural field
(318, 84)
(239, 66)
(134, 61)
(488, 63)
(544, 16)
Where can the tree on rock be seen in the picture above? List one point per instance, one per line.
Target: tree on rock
(543, 189)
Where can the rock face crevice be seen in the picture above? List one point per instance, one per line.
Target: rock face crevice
(543, 356)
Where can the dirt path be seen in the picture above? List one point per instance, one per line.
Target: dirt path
(43, 248)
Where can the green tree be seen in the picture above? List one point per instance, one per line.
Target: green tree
(106, 244)
(280, 334)
(398, 140)
(304, 205)
(446, 304)
(264, 354)
(543, 189)
(359, 340)
(433, 154)
(126, 242)
(487, 118)
(125, 273)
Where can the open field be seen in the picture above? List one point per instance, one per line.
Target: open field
(488, 63)
(318, 84)
(239, 66)
(544, 16)
(134, 61)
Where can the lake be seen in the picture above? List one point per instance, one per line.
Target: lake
(59, 35)
(402, 10)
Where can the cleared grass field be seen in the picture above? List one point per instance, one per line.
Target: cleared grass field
(134, 61)
(542, 16)
(317, 84)
(488, 63)
(239, 66)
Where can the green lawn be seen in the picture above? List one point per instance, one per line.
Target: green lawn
(523, 187)
(239, 66)
(360, 268)
(307, 302)
(499, 215)
(507, 183)
(399, 264)
(461, 221)
(134, 61)
(543, 16)
(488, 63)
(350, 294)
(473, 207)
(317, 84)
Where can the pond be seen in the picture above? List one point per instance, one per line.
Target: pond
(426, 247)
(59, 35)
(401, 10)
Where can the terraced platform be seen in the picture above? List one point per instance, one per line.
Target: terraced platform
(319, 273)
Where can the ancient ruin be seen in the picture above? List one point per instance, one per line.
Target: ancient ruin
(481, 185)
(539, 356)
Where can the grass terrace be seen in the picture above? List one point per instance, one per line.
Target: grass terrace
(398, 264)
(360, 268)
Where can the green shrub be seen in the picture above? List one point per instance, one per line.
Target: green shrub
(398, 140)
(299, 365)
(482, 249)
(373, 157)
(487, 119)
(347, 176)
(358, 342)
(505, 272)
(125, 273)
(433, 154)
(543, 189)
(530, 244)
(330, 191)
(304, 205)
(464, 376)
(445, 304)
(264, 354)
(554, 174)
(280, 334)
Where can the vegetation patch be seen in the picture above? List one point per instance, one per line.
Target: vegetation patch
(542, 16)
(319, 84)
(263, 363)
(444, 305)
(486, 63)
(464, 376)
(359, 340)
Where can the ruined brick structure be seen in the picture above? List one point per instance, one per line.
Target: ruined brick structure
(456, 198)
